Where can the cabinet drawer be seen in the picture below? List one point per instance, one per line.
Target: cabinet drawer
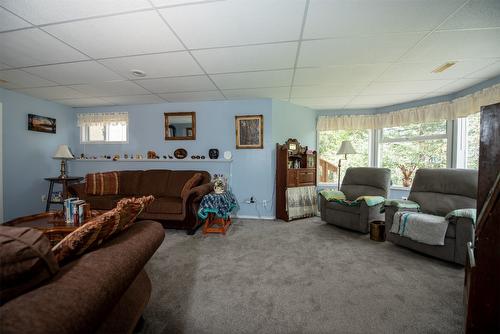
(291, 178)
(306, 178)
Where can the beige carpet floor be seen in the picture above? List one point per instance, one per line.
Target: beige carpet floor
(299, 277)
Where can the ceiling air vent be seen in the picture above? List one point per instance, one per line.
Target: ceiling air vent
(444, 67)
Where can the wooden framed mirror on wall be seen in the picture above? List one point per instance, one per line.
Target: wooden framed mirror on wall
(180, 125)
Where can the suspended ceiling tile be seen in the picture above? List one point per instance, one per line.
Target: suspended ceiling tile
(133, 99)
(84, 102)
(114, 88)
(193, 96)
(247, 58)
(359, 50)
(337, 102)
(155, 65)
(75, 73)
(120, 35)
(52, 93)
(270, 92)
(9, 21)
(49, 11)
(236, 22)
(326, 91)
(345, 74)
(423, 71)
(363, 101)
(403, 87)
(475, 14)
(178, 84)
(487, 72)
(443, 46)
(336, 18)
(21, 79)
(253, 79)
(34, 47)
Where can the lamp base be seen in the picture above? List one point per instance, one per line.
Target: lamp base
(63, 169)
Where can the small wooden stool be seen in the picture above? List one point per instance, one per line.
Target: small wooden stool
(214, 224)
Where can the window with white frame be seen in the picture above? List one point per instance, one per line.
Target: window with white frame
(96, 128)
(472, 141)
(329, 143)
(406, 148)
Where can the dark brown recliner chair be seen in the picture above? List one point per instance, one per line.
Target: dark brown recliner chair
(359, 181)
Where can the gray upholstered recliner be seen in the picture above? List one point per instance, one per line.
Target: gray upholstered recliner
(359, 181)
(438, 192)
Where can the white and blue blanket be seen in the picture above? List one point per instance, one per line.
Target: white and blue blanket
(421, 227)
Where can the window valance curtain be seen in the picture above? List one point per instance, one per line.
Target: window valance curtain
(102, 118)
(448, 110)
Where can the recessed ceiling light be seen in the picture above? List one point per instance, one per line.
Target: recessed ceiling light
(138, 73)
(444, 67)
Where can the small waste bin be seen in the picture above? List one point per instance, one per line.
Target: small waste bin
(377, 230)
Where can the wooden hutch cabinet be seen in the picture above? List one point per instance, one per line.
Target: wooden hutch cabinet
(295, 167)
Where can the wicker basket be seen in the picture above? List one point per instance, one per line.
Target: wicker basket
(377, 230)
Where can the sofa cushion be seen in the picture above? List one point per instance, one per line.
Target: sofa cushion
(129, 182)
(154, 182)
(102, 183)
(167, 204)
(177, 180)
(105, 202)
(95, 231)
(192, 182)
(26, 260)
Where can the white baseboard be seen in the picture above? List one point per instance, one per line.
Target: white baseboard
(254, 217)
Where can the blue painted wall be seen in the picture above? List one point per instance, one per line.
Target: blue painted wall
(252, 170)
(27, 154)
(293, 121)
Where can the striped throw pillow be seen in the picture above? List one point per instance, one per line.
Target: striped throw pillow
(102, 183)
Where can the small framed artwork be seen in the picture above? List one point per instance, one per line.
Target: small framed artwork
(41, 123)
(249, 131)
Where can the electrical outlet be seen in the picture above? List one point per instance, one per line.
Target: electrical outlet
(44, 198)
(264, 203)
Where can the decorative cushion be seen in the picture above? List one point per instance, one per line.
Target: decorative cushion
(95, 231)
(102, 183)
(192, 182)
(25, 261)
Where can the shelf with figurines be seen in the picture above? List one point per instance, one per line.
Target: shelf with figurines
(180, 155)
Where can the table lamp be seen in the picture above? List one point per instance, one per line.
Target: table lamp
(345, 149)
(63, 153)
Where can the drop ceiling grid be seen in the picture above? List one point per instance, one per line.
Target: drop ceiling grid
(160, 6)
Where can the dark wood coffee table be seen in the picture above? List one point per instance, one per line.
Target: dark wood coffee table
(51, 223)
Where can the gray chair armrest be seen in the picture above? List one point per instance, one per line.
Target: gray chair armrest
(371, 213)
(389, 216)
(464, 232)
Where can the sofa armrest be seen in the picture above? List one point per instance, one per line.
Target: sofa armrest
(464, 232)
(371, 213)
(193, 198)
(77, 190)
(390, 211)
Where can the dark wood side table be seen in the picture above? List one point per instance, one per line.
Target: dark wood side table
(64, 181)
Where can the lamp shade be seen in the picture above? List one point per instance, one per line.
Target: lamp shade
(63, 152)
(346, 148)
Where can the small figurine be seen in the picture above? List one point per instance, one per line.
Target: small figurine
(170, 157)
(164, 157)
(152, 155)
(125, 156)
(116, 157)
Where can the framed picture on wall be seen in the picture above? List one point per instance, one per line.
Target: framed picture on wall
(41, 123)
(249, 131)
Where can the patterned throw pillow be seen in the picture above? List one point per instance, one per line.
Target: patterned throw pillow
(102, 183)
(95, 231)
(192, 182)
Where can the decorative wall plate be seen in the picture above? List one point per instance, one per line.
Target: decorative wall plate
(228, 155)
(180, 153)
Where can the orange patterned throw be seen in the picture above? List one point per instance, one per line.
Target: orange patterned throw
(102, 183)
(95, 231)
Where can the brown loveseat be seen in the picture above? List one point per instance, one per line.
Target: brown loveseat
(103, 291)
(170, 207)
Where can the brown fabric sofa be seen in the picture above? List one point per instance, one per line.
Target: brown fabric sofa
(169, 207)
(103, 291)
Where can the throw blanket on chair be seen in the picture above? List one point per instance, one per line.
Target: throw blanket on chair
(339, 197)
(421, 227)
